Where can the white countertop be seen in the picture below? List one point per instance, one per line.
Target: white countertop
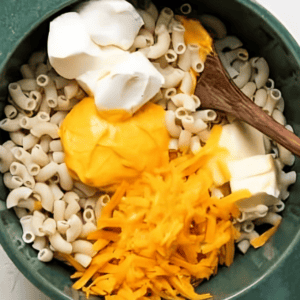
(13, 285)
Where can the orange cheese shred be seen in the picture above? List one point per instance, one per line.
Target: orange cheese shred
(163, 231)
(262, 239)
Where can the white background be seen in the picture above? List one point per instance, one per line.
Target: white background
(13, 285)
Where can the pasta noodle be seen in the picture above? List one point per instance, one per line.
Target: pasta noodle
(72, 208)
(43, 193)
(40, 243)
(196, 62)
(185, 101)
(62, 226)
(45, 143)
(58, 157)
(28, 236)
(83, 246)
(75, 228)
(49, 226)
(47, 172)
(27, 72)
(83, 259)
(28, 84)
(39, 156)
(186, 8)
(6, 159)
(207, 115)
(285, 155)
(178, 39)
(186, 85)
(193, 126)
(173, 129)
(29, 141)
(170, 56)
(37, 223)
(87, 228)
(184, 139)
(249, 89)
(60, 244)
(36, 58)
(184, 60)
(20, 170)
(45, 128)
(164, 17)
(88, 215)
(214, 25)
(45, 255)
(262, 74)
(10, 111)
(63, 103)
(59, 208)
(87, 190)
(25, 157)
(273, 98)
(162, 45)
(19, 98)
(12, 182)
(11, 125)
(244, 75)
(41, 68)
(149, 21)
(260, 97)
(49, 88)
(173, 144)
(65, 180)
(278, 116)
(195, 144)
(71, 89)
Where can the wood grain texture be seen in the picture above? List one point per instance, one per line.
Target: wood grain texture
(216, 91)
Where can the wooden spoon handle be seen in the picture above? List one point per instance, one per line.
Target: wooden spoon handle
(216, 91)
(255, 116)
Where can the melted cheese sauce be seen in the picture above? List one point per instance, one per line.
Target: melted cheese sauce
(102, 153)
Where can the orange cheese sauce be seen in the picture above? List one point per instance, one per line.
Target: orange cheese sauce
(102, 153)
(195, 33)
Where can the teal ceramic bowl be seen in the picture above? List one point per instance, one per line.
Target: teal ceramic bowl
(271, 272)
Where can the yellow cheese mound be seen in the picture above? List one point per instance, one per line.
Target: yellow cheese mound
(101, 152)
(162, 231)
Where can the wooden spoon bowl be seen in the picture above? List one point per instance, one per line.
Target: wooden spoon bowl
(216, 91)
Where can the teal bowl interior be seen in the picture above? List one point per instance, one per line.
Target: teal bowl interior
(270, 272)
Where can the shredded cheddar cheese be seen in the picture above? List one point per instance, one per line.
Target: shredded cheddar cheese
(262, 239)
(163, 231)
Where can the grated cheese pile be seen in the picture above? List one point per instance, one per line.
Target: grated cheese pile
(164, 231)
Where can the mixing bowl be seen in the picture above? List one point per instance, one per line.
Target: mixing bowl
(270, 272)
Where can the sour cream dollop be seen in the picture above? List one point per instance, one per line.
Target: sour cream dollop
(129, 85)
(111, 22)
(90, 45)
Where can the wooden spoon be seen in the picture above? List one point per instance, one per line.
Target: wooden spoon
(216, 91)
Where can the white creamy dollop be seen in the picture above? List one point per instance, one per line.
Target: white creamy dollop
(72, 52)
(129, 85)
(70, 49)
(257, 173)
(90, 45)
(242, 140)
(249, 165)
(111, 22)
